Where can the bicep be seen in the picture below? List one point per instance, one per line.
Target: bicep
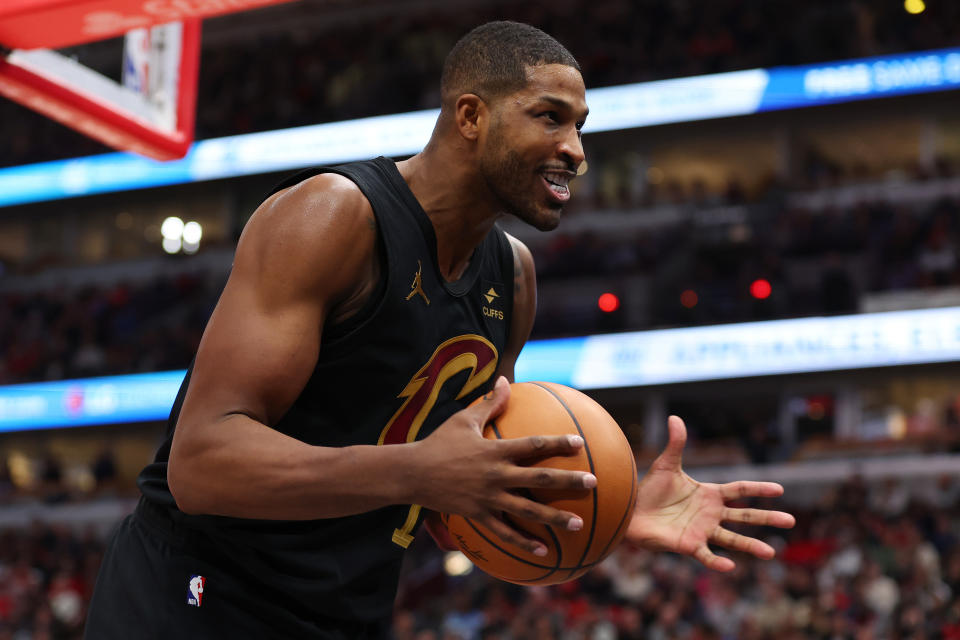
(524, 307)
(256, 354)
(263, 339)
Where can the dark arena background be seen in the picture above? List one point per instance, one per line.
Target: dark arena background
(765, 243)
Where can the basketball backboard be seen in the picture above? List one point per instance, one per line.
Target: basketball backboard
(152, 111)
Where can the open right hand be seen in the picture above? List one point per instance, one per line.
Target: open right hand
(459, 471)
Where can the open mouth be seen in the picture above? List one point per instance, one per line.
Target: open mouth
(558, 184)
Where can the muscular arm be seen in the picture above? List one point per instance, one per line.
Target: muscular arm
(303, 252)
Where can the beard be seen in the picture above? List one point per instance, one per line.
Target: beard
(503, 171)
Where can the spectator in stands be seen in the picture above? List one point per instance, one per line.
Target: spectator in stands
(51, 478)
(463, 620)
(104, 470)
(6, 480)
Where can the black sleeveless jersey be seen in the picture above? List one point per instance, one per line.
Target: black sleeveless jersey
(422, 349)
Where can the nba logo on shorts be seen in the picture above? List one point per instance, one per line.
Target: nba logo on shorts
(195, 594)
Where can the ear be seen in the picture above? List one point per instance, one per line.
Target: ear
(470, 114)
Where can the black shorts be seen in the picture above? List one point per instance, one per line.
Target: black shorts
(159, 580)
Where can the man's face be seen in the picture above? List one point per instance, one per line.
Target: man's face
(531, 150)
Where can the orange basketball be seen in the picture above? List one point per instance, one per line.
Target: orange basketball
(545, 408)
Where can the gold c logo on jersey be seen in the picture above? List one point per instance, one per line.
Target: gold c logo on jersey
(490, 296)
(470, 352)
(417, 286)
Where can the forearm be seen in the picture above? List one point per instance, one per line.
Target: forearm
(261, 473)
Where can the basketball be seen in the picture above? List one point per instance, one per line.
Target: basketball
(545, 408)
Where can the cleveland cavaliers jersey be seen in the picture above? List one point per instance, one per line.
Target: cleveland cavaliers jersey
(421, 350)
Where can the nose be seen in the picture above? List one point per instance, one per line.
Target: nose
(571, 148)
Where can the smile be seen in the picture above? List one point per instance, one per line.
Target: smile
(557, 185)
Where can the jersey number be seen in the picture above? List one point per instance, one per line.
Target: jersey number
(467, 352)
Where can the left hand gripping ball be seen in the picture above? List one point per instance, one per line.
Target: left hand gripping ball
(545, 408)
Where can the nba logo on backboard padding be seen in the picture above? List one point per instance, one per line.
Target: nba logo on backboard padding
(195, 594)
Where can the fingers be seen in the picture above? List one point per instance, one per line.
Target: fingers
(494, 402)
(712, 561)
(677, 431)
(750, 489)
(547, 478)
(513, 475)
(529, 510)
(526, 509)
(533, 448)
(511, 536)
(760, 517)
(737, 542)
(672, 456)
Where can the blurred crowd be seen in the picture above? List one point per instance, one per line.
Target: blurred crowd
(391, 62)
(816, 262)
(866, 562)
(47, 573)
(125, 328)
(46, 479)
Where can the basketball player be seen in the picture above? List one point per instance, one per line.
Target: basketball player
(323, 418)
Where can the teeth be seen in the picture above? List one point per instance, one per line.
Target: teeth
(557, 179)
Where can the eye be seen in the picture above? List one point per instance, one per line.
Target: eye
(552, 116)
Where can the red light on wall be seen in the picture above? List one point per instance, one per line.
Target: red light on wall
(689, 298)
(760, 289)
(608, 303)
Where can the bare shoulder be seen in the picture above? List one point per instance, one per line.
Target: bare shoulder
(320, 231)
(312, 209)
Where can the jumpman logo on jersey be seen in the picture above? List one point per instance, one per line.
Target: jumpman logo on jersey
(417, 286)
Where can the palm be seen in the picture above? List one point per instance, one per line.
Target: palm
(676, 513)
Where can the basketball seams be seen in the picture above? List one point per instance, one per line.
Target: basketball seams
(625, 518)
(556, 541)
(555, 572)
(586, 449)
(552, 570)
(529, 494)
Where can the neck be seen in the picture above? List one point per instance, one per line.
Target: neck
(447, 185)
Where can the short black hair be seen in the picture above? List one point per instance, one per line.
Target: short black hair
(492, 59)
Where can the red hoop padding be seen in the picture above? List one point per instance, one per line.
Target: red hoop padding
(52, 24)
(98, 119)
